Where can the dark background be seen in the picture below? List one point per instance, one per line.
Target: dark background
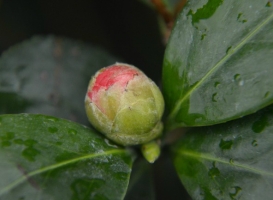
(127, 29)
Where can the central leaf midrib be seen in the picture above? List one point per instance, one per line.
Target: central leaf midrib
(57, 165)
(219, 63)
(235, 164)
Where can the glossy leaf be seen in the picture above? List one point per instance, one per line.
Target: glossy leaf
(49, 75)
(43, 157)
(218, 62)
(228, 161)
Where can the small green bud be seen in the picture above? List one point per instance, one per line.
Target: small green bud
(125, 105)
(150, 151)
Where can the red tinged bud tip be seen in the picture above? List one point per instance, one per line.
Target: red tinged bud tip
(125, 105)
(107, 77)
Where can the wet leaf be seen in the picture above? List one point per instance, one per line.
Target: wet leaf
(44, 157)
(218, 62)
(228, 161)
(49, 75)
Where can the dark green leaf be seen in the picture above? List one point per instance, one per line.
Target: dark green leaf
(43, 157)
(228, 161)
(49, 75)
(218, 62)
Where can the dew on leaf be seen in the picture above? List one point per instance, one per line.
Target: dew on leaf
(228, 49)
(266, 94)
(231, 161)
(237, 77)
(268, 4)
(214, 171)
(110, 143)
(259, 125)
(72, 131)
(238, 80)
(8, 136)
(18, 141)
(30, 153)
(214, 97)
(206, 11)
(225, 144)
(30, 142)
(239, 15)
(52, 129)
(53, 119)
(81, 187)
(5, 143)
(216, 84)
(254, 143)
(239, 18)
(58, 143)
(235, 191)
(203, 36)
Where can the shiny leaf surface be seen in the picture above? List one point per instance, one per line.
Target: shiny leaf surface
(218, 62)
(43, 157)
(49, 75)
(228, 161)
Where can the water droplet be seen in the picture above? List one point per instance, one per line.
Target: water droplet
(268, 4)
(214, 97)
(8, 136)
(254, 143)
(237, 77)
(235, 191)
(58, 143)
(214, 172)
(216, 84)
(228, 49)
(239, 18)
(72, 131)
(6, 139)
(53, 119)
(238, 80)
(18, 141)
(52, 129)
(241, 83)
(259, 125)
(110, 143)
(231, 161)
(30, 153)
(30, 142)
(5, 143)
(225, 144)
(203, 36)
(239, 15)
(266, 94)
(81, 188)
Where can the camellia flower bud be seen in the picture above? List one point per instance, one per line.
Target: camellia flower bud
(125, 105)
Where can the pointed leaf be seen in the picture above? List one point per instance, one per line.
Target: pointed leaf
(218, 62)
(43, 157)
(228, 161)
(49, 75)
